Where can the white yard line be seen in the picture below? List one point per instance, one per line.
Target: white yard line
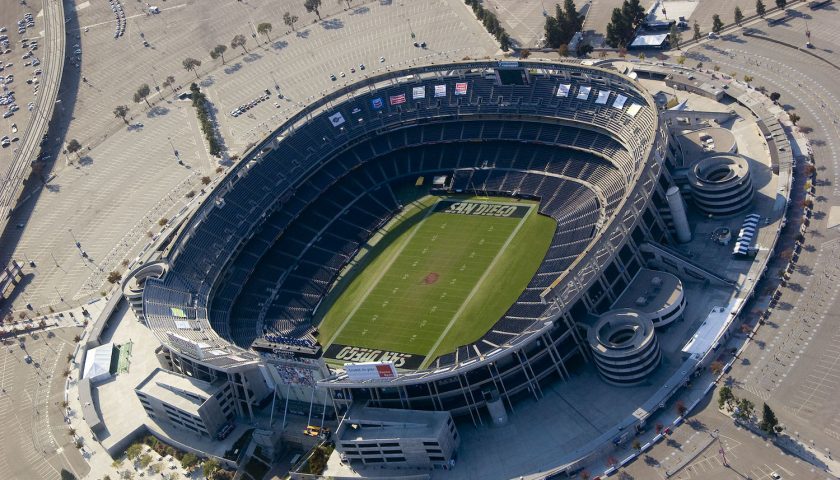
(382, 273)
(479, 283)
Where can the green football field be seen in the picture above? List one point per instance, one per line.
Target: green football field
(438, 276)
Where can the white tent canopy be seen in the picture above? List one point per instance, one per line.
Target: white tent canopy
(643, 41)
(98, 363)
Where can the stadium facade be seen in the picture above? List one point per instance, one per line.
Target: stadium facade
(237, 286)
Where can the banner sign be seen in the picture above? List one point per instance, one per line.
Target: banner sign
(370, 371)
(336, 119)
(418, 92)
(440, 90)
(376, 103)
(365, 355)
(397, 99)
(461, 88)
(563, 90)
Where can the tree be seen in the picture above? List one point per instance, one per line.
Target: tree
(781, 3)
(145, 460)
(205, 180)
(169, 81)
(211, 466)
(239, 41)
(264, 28)
(142, 93)
(189, 461)
(636, 445)
(739, 15)
(760, 9)
(793, 118)
(134, 451)
(218, 51)
(725, 396)
(114, 277)
(290, 20)
(681, 408)
(748, 79)
(585, 49)
(313, 6)
(716, 367)
(121, 111)
(676, 36)
(768, 421)
(697, 35)
(618, 30)
(717, 23)
(775, 96)
(745, 409)
(191, 65)
(560, 28)
(681, 60)
(73, 146)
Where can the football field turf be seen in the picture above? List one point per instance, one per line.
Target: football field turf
(438, 277)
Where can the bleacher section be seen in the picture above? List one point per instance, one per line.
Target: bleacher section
(268, 241)
(296, 271)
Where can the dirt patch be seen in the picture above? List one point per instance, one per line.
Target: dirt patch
(431, 278)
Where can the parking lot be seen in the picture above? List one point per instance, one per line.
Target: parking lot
(111, 194)
(21, 53)
(37, 444)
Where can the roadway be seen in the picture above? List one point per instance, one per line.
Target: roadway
(53, 66)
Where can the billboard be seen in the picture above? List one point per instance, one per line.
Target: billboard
(370, 371)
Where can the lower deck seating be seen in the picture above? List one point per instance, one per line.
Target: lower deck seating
(299, 255)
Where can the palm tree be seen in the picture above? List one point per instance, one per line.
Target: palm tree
(191, 65)
(290, 20)
(760, 9)
(169, 81)
(313, 6)
(73, 146)
(264, 28)
(218, 51)
(239, 41)
(120, 111)
(142, 93)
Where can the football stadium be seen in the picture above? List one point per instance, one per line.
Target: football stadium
(422, 239)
